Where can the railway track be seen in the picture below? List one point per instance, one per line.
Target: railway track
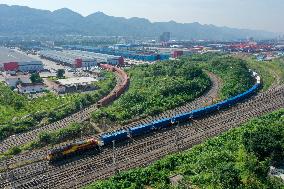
(36, 155)
(85, 114)
(141, 151)
(24, 138)
(202, 101)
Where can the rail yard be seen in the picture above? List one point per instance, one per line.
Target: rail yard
(32, 170)
(141, 151)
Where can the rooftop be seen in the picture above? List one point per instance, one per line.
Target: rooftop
(77, 81)
(8, 55)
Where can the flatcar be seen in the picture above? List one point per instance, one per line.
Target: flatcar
(125, 134)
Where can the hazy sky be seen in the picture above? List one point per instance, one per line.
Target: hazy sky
(251, 14)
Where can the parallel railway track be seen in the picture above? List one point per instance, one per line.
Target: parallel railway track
(142, 151)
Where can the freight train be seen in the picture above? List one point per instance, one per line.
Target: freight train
(118, 90)
(125, 134)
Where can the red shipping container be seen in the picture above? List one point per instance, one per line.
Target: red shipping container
(177, 54)
(11, 66)
(121, 60)
(78, 63)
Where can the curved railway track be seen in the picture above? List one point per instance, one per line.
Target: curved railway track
(75, 173)
(197, 103)
(79, 116)
(202, 101)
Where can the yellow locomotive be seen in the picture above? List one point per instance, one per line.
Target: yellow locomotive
(70, 149)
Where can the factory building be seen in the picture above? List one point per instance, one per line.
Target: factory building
(11, 60)
(72, 60)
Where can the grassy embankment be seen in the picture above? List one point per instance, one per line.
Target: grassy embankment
(272, 72)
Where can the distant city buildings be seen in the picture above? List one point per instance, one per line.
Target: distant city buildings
(165, 37)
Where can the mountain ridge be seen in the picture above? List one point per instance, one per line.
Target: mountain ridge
(21, 20)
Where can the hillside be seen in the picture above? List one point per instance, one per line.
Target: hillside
(154, 89)
(19, 20)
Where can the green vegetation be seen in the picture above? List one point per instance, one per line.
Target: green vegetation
(233, 72)
(166, 85)
(272, 72)
(35, 78)
(239, 158)
(156, 88)
(60, 73)
(71, 132)
(74, 130)
(19, 114)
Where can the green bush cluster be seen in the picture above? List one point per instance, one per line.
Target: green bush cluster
(156, 88)
(74, 130)
(239, 158)
(270, 71)
(19, 114)
(235, 74)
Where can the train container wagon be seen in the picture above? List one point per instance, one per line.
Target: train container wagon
(162, 123)
(114, 136)
(181, 117)
(140, 130)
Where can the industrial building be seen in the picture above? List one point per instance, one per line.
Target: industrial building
(74, 61)
(99, 57)
(30, 88)
(11, 60)
(80, 59)
(70, 85)
(14, 80)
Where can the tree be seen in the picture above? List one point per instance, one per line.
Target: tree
(45, 138)
(265, 142)
(35, 78)
(60, 73)
(14, 151)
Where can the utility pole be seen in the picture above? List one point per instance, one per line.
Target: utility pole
(7, 173)
(113, 155)
(177, 137)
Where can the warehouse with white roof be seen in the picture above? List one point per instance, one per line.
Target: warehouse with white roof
(11, 60)
(80, 59)
(72, 60)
